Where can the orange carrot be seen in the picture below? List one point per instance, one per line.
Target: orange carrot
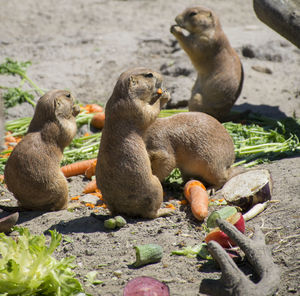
(182, 202)
(98, 120)
(159, 91)
(77, 168)
(90, 187)
(170, 206)
(93, 108)
(195, 193)
(90, 171)
(10, 139)
(89, 205)
(75, 197)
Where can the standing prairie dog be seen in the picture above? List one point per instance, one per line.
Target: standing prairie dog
(123, 171)
(220, 73)
(194, 142)
(32, 172)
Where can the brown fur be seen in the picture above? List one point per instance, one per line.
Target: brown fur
(123, 170)
(32, 172)
(194, 142)
(220, 74)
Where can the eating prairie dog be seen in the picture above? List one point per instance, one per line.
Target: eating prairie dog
(123, 171)
(32, 172)
(219, 70)
(194, 142)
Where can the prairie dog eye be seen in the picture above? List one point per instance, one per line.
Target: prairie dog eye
(148, 75)
(191, 14)
(68, 95)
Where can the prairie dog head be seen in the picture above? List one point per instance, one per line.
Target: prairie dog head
(138, 96)
(56, 106)
(198, 20)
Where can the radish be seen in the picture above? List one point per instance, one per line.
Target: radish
(145, 286)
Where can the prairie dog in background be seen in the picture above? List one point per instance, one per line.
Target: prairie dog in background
(220, 73)
(32, 172)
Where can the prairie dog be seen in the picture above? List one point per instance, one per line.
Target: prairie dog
(220, 74)
(123, 171)
(194, 142)
(32, 172)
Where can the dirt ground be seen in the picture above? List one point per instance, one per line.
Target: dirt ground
(84, 46)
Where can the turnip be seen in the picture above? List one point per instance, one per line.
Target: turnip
(145, 286)
(248, 189)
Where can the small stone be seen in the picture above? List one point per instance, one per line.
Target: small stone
(89, 198)
(118, 273)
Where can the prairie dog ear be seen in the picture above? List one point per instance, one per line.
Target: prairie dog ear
(133, 80)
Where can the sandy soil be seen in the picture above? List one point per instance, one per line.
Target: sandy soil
(84, 46)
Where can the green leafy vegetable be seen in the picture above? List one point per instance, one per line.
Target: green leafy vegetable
(27, 267)
(91, 278)
(192, 252)
(11, 67)
(15, 96)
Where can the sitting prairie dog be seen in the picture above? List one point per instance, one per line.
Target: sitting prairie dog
(194, 142)
(123, 171)
(220, 73)
(32, 172)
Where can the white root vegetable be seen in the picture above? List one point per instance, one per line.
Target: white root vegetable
(248, 189)
(257, 209)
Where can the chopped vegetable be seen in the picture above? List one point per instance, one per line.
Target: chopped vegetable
(120, 221)
(223, 239)
(257, 209)
(93, 108)
(159, 91)
(91, 278)
(110, 223)
(146, 254)
(117, 221)
(247, 189)
(145, 286)
(222, 213)
(27, 267)
(90, 187)
(196, 194)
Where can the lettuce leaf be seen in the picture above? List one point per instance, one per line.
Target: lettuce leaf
(27, 267)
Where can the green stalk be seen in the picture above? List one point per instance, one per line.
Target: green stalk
(24, 76)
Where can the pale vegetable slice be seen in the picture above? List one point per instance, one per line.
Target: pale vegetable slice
(146, 286)
(248, 189)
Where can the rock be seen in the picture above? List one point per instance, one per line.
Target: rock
(89, 198)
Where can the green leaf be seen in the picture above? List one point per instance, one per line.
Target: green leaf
(91, 278)
(11, 67)
(15, 96)
(192, 252)
(28, 268)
